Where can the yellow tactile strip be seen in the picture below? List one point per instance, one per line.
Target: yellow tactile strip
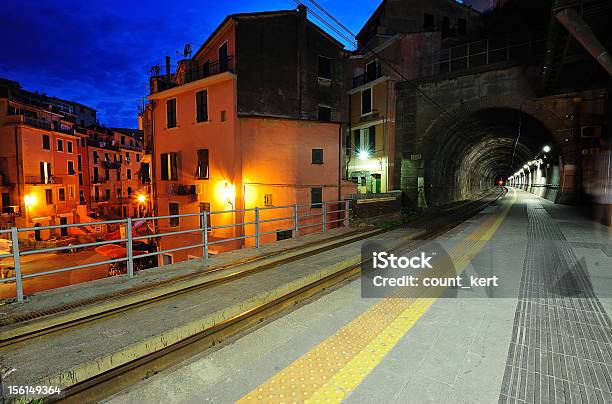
(332, 369)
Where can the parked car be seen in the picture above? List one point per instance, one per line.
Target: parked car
(6, 246)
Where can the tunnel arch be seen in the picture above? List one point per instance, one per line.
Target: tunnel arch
(464, 158)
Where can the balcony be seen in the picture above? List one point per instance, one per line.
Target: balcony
(211, 68)
(37, 180)
(98, 180)
(111, 165)
(102, 144)
(367, 77)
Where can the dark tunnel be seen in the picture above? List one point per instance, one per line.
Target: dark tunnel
(482, 148)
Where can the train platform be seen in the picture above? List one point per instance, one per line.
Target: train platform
(546, 336)
(67, 358)
(54, 306)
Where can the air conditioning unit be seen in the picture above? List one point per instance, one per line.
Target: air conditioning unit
(590, 131)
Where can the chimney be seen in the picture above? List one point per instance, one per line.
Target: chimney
(302, 10)
(168, 67)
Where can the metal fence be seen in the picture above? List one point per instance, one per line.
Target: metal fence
(484, 52)
(297, 218)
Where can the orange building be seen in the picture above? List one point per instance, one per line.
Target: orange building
(46, 165)
(244, 124)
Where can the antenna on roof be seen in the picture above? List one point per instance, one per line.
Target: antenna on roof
(187, 50)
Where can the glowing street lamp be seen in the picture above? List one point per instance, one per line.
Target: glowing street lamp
(142, 198)
(29, 200)
(546, 149)
(364, 155)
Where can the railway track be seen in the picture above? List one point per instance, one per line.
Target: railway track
(123, 376)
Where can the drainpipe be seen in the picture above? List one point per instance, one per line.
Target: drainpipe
(19, 183)
(573, 22)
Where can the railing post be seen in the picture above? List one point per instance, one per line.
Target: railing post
(487, 52)
(204, 223)
(507, 49)
(256, 227)
(295, 221)
(324, 221)
(128, 247)
(468, 55)
(17, 264)
(347, 219)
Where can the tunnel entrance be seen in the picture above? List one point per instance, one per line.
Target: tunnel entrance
(480, 150)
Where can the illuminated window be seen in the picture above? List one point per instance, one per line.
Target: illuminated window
(45, 172)
(169, 167)
(365, 139)
(202, 169)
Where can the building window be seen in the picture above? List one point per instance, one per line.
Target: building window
(45, 172)
(202, 170)
(171, 113)
(49, 196)
(169, 167)
(122, 139)
(365, 141)
(267, 199)
(95, 157)
(71, 191)
(6, 200)
(325, 68)
(324, 113)
(81, 196)
(205, 208)
(46, 144)
(107, 193)
(69, 146)
(71, 168)
(127, 158)
(118, 192)
(80, 163)
(202, 106)
(223, 116)
(428, 20)
(316, 197)
(461, 25)
(173, 209)
(317, 156)
(60, 145)
(366, 101)
(96, 175)
(129, 190)
(138, 157)
(107, 174)
(61, 194)
(371, 71)
(80, 178)
(118, 174)
(284, 235)
(129, 174)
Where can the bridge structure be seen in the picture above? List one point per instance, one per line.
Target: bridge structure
(486, 111)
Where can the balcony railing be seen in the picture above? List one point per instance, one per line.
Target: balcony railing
(484, 52)
(37, 180)
(102, 144)
(367, 77)
(111, 164)
(206, 70)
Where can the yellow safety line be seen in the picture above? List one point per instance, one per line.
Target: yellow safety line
(332, 369)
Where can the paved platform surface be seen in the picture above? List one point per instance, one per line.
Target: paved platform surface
(67, 358)
(544, 336)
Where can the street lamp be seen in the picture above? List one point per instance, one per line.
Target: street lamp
(546, 149)
(142, 198)
(363, 155)
(29, 200)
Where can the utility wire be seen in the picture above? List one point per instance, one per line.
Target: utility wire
(388, 63)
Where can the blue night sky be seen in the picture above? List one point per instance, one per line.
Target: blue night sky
(99, 52)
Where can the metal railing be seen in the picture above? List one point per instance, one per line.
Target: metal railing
(298, 219)
(211, 68)
(38, 180)
(367, 77)
(484, 52)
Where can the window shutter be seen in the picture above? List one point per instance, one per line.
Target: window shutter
(174, 162)
(372, 139)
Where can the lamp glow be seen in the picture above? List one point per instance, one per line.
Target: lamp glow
(228, 192)
(29, 200)
(546, 149)
(142, 198)
(363, 155)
